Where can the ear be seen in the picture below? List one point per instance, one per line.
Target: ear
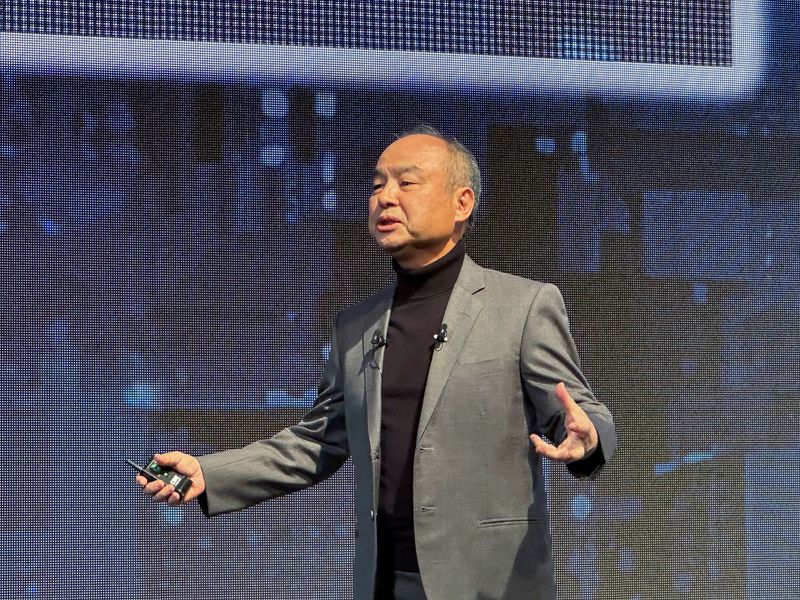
(465, 204)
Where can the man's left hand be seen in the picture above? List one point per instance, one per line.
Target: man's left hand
(581, 438)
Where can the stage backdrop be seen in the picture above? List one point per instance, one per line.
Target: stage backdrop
(183, 192)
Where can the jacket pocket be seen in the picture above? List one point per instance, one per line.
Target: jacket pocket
(509, 521)
(488, 363)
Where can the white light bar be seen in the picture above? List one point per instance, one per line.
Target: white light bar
(391, 70)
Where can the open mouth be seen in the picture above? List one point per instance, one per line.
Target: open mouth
(386, 223)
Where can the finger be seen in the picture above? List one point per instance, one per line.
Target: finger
(559, 453)
(567, 451)
(142, 481)
(564, 397)
(174, 499)
(169, 459)
(582, 428)
(164, 493)
(537, 441)
(152, 488)
(180, 462)
(587, 436)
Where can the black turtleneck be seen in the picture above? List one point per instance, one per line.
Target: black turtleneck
(418, 307)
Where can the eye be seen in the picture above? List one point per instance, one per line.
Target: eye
(376, 186)
(407, 183)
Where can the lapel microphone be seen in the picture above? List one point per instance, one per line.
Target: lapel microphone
(440, 337)
(378, 341)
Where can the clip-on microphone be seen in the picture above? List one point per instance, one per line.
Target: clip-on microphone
(378, 341)
(440, 337)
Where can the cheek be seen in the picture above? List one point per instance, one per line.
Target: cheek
(372, 205)
(441, 217)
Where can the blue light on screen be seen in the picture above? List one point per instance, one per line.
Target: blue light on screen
(160, 296)
(496, 48)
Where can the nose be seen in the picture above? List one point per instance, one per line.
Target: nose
(387, 196)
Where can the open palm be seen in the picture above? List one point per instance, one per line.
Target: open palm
(581, 438)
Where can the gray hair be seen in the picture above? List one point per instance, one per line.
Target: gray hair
(464, 167)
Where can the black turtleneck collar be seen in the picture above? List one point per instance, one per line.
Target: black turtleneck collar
(431, 280)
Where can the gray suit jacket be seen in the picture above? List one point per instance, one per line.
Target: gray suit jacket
(480, 514)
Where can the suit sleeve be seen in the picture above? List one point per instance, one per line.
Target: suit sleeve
(548, 356)
(294, 458)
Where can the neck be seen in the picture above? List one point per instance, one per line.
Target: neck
(432, 279)
(419, 258)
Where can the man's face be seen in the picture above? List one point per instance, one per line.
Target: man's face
(414, 209)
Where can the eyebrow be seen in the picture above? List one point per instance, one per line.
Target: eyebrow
(397, 171)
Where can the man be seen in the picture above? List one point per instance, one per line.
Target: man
(439, 387)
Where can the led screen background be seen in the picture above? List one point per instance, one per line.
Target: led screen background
(174, 250)
(661, 47)
(668, 31)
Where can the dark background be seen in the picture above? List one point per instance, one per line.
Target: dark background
(172, 254)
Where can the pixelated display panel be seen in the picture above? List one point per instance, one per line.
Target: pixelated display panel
(173, 255)
(658, 31)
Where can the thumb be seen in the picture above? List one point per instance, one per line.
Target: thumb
(169, 459)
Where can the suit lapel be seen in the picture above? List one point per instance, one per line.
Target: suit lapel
(377, 319)
(463, 308)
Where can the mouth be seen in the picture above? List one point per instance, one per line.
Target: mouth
(386, 223)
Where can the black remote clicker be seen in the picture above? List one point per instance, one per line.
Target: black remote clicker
(155, 471)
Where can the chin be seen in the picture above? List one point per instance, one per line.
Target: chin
(392, 248)
(390, 244)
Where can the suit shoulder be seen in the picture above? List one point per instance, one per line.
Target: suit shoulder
(514, 283)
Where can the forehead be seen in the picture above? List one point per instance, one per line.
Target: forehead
(423, 152)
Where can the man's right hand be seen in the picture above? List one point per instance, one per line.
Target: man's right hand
(180, 463)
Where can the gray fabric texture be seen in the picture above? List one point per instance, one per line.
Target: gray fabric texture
(480, 511)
